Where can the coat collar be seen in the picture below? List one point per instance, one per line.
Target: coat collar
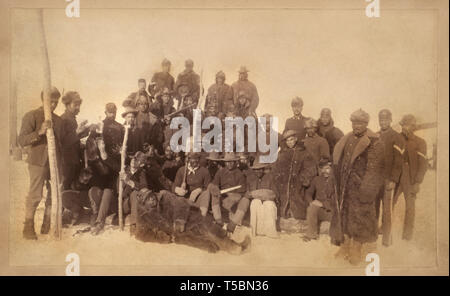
(362, 145)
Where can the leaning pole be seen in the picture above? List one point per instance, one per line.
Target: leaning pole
(56, 213)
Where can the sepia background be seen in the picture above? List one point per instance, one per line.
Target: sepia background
(335, 58)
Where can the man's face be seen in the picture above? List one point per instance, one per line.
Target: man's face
(151, 202)
(359, 127)
(242, 100)
(130, 119)
(291, 141)
(243, 161)
(189, 66)
(110, 115)
(74, 107)
(385, 123)
(297, 109)
(193, 162)
(168, 152)
(220, 81)
(53, 103)
(325, 171)
(311, 131)
(142, 104)
(84, 178)
(325, 118)
(165, 99)
(243, 76)
(407, 129)
(166, 68)
(141, 85)
(230, 165)
(259, 172)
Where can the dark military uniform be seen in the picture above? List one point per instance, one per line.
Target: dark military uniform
(294, 169)
(317, 147)
(220, 95)
(331, 133)
(161, 80)
(321, 189)
(393, 161)
(296, 123)
(38, 166)
(192, 80)
(72, 154)
(413, 171)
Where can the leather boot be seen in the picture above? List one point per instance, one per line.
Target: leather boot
(343, 251)
(28, 230)
(45, 228)
(355, 253)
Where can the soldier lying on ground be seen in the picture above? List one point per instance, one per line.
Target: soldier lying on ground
(165, 218)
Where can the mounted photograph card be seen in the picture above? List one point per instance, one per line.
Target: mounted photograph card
(254, 138)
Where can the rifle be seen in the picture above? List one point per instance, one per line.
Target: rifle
(183, 185)
(123, 155)
(201, 91)
(180, 110)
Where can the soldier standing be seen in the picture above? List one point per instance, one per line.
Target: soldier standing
(297, 122)
(72, 154)
(243, 84)
(393, 152)
(327, 130)
(162, 80)
(413, 171)
(315, 144)
(221, 93)
(358, 166)
(192, 79)
(32, 133)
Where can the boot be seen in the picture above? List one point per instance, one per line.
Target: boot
(45, 228)
(28, 230)
(343, 250)
(231, 226)
(98, 228)
(355, 253)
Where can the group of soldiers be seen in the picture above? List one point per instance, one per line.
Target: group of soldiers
(320, 174)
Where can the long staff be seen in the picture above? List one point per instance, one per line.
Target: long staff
(123, 156)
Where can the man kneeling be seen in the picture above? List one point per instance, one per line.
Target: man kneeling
(165, 218)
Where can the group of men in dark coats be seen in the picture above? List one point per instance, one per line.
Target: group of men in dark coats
(320, 173)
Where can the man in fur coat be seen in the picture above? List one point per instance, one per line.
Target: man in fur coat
(358, 166)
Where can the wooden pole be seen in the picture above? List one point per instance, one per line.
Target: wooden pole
(56, 213)
(123, 156)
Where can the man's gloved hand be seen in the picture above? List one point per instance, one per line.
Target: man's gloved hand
(180, 191)
(45, 125)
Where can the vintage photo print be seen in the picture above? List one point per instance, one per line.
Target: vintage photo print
(224, 137)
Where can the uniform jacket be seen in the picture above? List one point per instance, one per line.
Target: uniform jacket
(317, 147)
(359, 177)
(331, 133)
(162, 80)
(415, 153)
(321, 189)
(250, 89)
(28, 136)
(225, 178)
(192, 79)
(394, 148)
(71, 140)
(199, 179)
(296, 124)
(294, 168)
(222, 94)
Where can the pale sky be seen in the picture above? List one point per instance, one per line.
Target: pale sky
(331, 58)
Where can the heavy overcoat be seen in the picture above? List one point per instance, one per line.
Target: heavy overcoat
(359, 177)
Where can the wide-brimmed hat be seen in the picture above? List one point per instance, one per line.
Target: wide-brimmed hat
(258, 165)
(243, 69)
(193, 155)
(129, 109)
(214, 156)
(229, 156)
(288, 133)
